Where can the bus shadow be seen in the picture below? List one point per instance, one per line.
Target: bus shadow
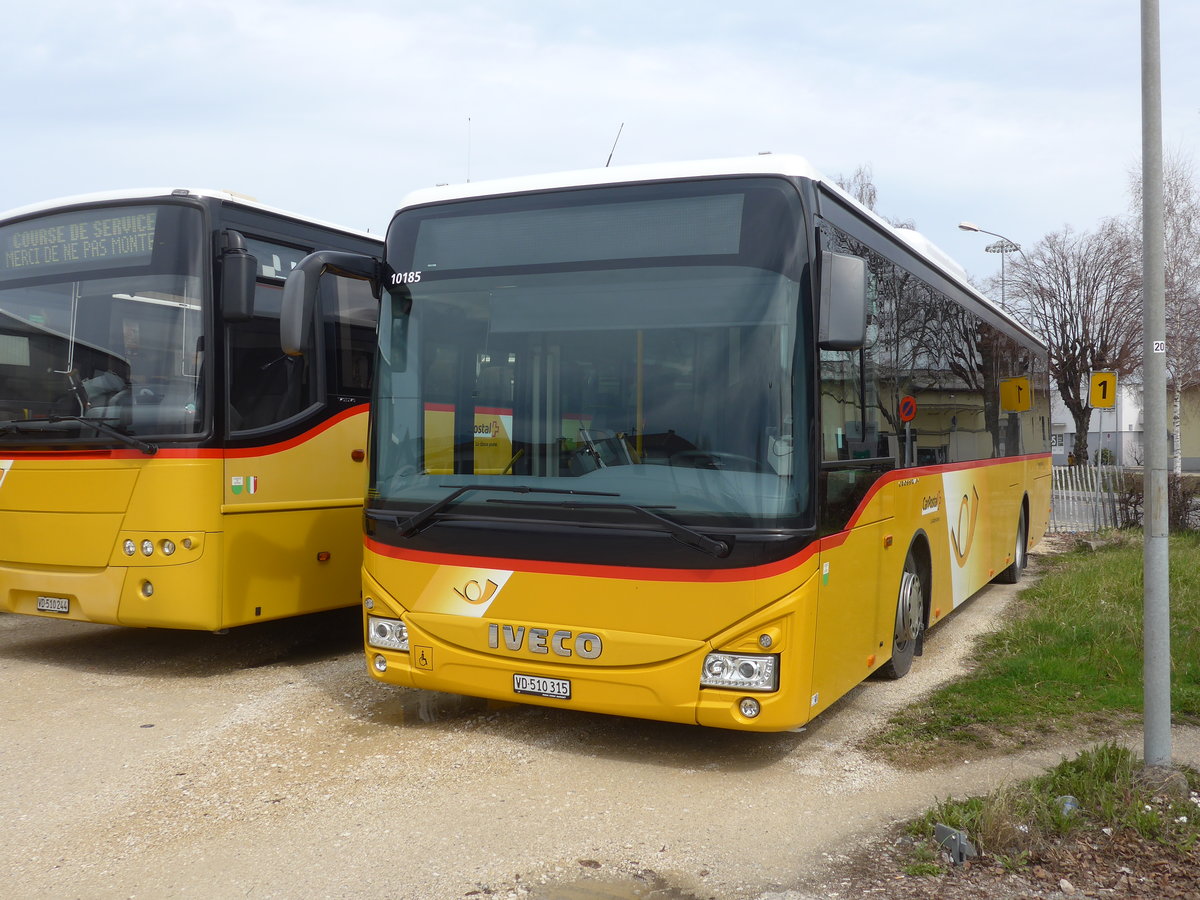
(593, 735)
(159, 652)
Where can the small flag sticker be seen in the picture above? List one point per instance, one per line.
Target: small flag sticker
(244, 484)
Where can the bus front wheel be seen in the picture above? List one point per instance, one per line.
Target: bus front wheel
(910, 619)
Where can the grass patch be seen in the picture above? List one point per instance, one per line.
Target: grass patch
(1098, 791)
(1069, 659)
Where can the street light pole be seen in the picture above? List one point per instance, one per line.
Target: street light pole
(1003, 246)
(1156, 557)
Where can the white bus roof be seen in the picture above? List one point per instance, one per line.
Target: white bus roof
(163, 193)
(762, 164)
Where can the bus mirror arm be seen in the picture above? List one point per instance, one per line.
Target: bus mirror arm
(301, 288)
(843, 302)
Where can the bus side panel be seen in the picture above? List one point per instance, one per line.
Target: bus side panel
(970, 516)
(293, 524)
(964, 519)
(275, 564)
(845, 648)
(982, 508)
(1039, 500)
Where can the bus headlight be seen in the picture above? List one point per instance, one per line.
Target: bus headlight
(387, 634)
(741, 671)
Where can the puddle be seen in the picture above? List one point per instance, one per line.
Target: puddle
(646, 887)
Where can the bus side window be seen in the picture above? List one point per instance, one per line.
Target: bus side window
(265, 386)
(849, 429)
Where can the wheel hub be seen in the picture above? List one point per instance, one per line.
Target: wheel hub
(908, 613)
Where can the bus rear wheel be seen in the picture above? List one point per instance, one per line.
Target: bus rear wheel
(910, 619)
(1012, 574)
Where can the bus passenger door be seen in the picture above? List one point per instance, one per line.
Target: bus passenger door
(857, 450)
(294, 474)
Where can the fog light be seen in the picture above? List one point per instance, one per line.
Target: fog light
(147, 589)
(129, 547)
(380, 663)
(147, 548)
(167, 547)
(749, 707)
(387, 634)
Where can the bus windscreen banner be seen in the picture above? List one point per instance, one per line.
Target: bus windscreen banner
(84, 240)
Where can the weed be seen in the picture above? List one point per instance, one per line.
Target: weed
(924, 861)
(1014, 863)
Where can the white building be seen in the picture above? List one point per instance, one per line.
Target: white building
(1117, 431)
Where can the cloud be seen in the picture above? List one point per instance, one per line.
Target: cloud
(1023, 116)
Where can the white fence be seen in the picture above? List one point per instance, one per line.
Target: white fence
(1085, 498)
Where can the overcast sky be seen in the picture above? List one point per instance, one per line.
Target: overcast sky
(1022, 116)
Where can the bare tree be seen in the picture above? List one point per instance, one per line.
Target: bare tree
(1082, 293)
(861, 186)
(1181, 213)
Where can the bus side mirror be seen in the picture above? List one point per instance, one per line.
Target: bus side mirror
(299, 301)
(843, 302)
(238, 271)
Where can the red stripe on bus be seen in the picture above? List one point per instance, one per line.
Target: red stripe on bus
(190, 452)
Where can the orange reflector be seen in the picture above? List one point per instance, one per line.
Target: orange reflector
(358, 455)
(323, 556)
(870, 660)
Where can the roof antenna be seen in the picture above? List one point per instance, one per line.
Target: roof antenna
(614, 146)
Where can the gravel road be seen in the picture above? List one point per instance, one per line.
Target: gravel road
(265, 763)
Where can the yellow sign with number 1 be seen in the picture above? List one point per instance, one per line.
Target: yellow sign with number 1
(1102, 392)
(1016, 396)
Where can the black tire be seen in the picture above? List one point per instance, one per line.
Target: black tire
(910, 621)
(1012, 574)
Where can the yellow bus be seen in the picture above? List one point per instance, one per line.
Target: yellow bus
(751, 441)
(162, 462)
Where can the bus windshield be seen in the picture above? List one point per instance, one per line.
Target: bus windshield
(617, 351)
(101, 325)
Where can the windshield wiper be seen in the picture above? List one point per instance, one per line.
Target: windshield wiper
(99, 425)
(688, 536)
(410, 525)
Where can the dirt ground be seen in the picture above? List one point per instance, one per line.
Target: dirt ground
(265, 763)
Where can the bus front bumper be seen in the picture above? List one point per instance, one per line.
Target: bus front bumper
(666, 691)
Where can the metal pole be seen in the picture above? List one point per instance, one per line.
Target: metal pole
(1156, 603)
(1003, 303)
